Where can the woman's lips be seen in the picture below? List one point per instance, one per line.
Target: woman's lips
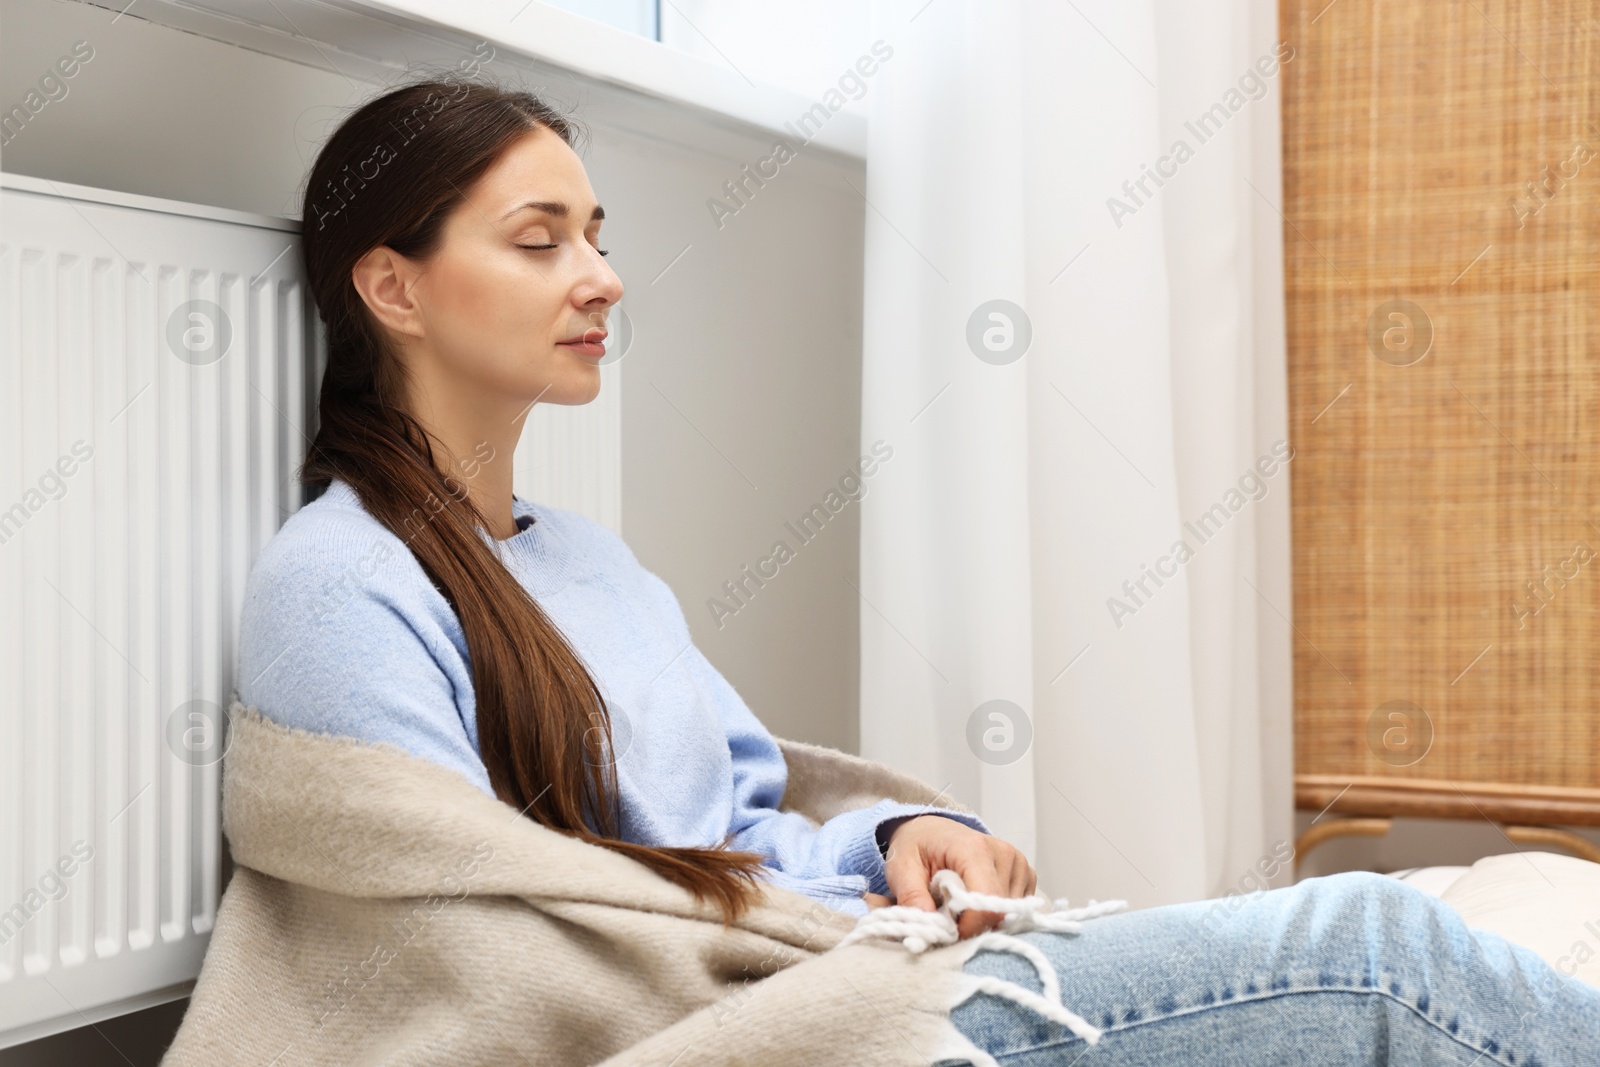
(584, 348)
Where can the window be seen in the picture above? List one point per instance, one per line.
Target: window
(636, 16)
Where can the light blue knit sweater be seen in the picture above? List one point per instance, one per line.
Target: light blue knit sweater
(343, 633)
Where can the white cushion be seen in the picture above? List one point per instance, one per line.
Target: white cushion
(1431, 880)
(1541, 900)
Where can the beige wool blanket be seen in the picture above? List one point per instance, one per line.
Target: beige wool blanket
(383, 910)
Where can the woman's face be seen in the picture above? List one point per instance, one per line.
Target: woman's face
(516, 279)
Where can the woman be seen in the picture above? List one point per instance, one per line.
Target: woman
(451, 243)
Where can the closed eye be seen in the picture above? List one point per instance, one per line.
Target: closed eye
(543, 248)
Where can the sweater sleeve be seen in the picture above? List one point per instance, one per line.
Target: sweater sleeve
(846, 845)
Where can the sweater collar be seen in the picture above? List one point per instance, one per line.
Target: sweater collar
(543, 554)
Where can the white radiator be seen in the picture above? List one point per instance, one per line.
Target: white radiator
(154, 369)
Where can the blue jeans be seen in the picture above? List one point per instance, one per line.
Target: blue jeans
(1353, 968)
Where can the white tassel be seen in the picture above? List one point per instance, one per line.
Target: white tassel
(920, 930)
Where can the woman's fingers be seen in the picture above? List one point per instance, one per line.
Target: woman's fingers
(1014, 877)
(924, 844)
(980, 873)
(1022, 878)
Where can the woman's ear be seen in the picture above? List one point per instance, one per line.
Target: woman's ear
(385, 279)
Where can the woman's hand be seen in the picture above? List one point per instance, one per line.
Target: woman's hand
(925, 844)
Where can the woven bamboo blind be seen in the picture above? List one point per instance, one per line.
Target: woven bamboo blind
(1442, 206)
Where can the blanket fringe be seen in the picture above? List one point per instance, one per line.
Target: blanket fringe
(919, 930)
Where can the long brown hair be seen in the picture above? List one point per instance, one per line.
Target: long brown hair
(390, 175)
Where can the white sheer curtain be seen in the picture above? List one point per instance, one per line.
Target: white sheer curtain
(1150, 756)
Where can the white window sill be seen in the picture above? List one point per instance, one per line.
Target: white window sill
(379, 40)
